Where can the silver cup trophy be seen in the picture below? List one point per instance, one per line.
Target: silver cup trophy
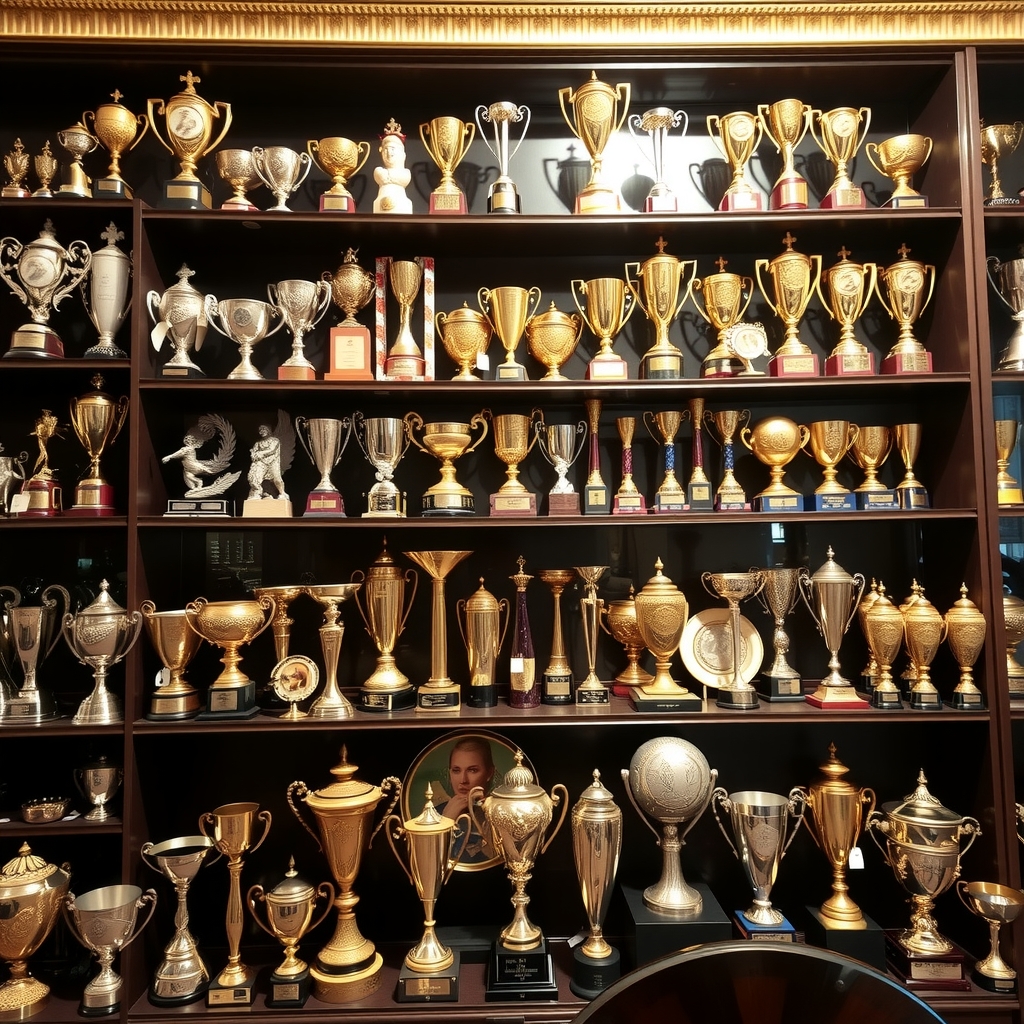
(503, 197)
(778, 597)
(657, 123)
(1007, 279)
(302, 305)
(325, 441)
(282, 170)
(384, 442)
(561, 444)
(179, 314)
(106, 299)
(98, 781)
(35, 629)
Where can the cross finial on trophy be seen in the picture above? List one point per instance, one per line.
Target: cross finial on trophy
(116, 95)
(18, 146)
(190, 80)
(903, 251)
(831, 751)
(97, 381)
(661, 243)
(843, 253)
(111, 235)
(788, 240)
(721, 264)
(184, 273)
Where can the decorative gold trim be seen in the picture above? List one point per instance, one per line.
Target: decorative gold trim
(577, 26)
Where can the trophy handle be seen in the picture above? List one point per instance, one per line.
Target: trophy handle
(852, 435)
(624, 772)
(141, 119)
(578, 281)
(745, 437)
(412, 421)
(468, 128)
(313, 147)
(477, 421)
(961, 888)
(931, 289)
(804, 584)
(875, 824)
(758, 264)
(809, 821)
(411, 576)
(69, 908)
(389, 784)
(705, 579)
(52, 603)
(483, 300)
(930, 142)
(537, 419)
(475, 794)
(629, 302)
(797, 795)
(689, 284)
(867, 150)
(581, 435)
(8, 588)
(328, 891)
(307, 163)
(523, 111)
(449, 866)
(715, 133)
(762, 120)
(872, 272)
(226, 109)
(323, 301)
(211, 307)
(805, 436)
(275, 313)
(79, 251)
(693, 821)
(815, 115)
(621, 87)
(295, 789)
(503, 604)
(632, 285)
(251, 900)
(460, 610)
(993, 263)
(972, 828)
(816, 260)
(867, 795)
(865, 113)
(563, 95)
(555, 798)
(854, 601)
(483, 134)
(268, 604)
(148, 897)
(122, 414)
(719, 796)
(152, 121)
(533, 294)
(263, 816)
(355, 596)
(390, 836)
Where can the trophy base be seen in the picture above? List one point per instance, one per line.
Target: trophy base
(172, 706)
(350, 354)
(443, 697)
(483, 696)
(918, 971)
(223, 507)
(803, 365)
(1002, 201)
(510, 371)
(880, 500)
(14, 192)
(789, 194)
(289, 993)
(907, 362)
(105, 350)
(448, 505)
(1010, 496)
(913, 497)
(737, 202)
(405, 368)
(656, 934)
(239, 206)
(925, 701)
(556, 688)
(598, 201)
(93, 499)
(731, 501)
(38, 498)
(665, 503)
(865, 942)
(233, 995)
(662, 366)
(102, 1010)
(717, 368)
(34, 341)
(661, 204)
(834, 502)
(563, 505)
(836, 698)
(230, 702)
(337, 204)
(349, 986)
(851, 198)
(448, 203)
(781, 689)
(586, 695)
(75, 189)
(856, 364)
(699, 498)
(629, 505)
(990, 984)
(607, 368)
(188, 371)
(886, 700)
(399, 700)
(513, 504)
(646, 700)
(186, 195)
(100, 708)
(384, 506)
(747, 929)
(969, 701)
(416, 987)
(591, 977)
(196, 988)
(33, 707)
(503, 198)
(744, 699)
(110, 188)
(286, 372)
(914, 202)
(597, 500)
(515, 974)
(266, 508)
(779, 503)
(324, 503)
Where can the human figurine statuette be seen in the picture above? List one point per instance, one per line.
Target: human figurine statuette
(271, 456)
(195, 469)
(393, 177)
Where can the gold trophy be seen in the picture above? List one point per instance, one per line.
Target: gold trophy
(483, 634)
(628, 499)
(1013, 634)
(447, 140)
(869, 452)
(189, 126)
(16, 164)
(794, 279)
(446, 441)
(430, 971)
(847, 292)
(552, 337)
(904, 285)
(96, 419)
(965, 634)
(900, 158)
(618, 620)
(117, 128)
(883, 630)
(439, 692)
(556, 680)
(785, 123)
(465, 334)
(995, 905)
(281, 623)
(290, 906)
(79, 142)
(1007, 280)
(45, 165)
(829, 441)
(775, 442)
(842, 135)
(384, 611)
(598, 110)
(737, 135)
(1008, 490)
(832, 596)
(698, 487)
(508, 308)
(608, 305)
(512, 443)
(924, 629)
(661, 276)
(176, 645)
(670, 496)
(591, 690)
(997, 140)
(230, 828)
(910, 491)
(722, 426)
(596, 496)
(405, 358)
(339, 159)
(778, 598)
(735, 587)
(332, 704)
(352, 287)
(237, 169)
(724, 307)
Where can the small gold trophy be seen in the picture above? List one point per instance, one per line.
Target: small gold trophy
(352, 287)
(512, 443)
(883, 628)
(869, 452)
(97, 419)
(900, 158)
(552, 337)
(924, 629)
(482, 632)
(508, 309)
(237, 169)
(905, 300)
(619, 622)
(465, 335)
(189, 127)
(45, 166)
(846, 294)
(607, 307)
(794, 279)
(737, 136)
(628, 499)
(723, 426)
(910, 491)
(724, 306)
(997, 140)
(556, 680)
(965, 634)
(841, 137)
(447, 441)
(776, 441)
(598, 110)
(117, 128)
(339, 159)
(829, 441)
(16, 164)
(785, 123)
(663, 426)
(41, 492)
(79, 142)
(447, 140)
(1008, 490)
(996, 905)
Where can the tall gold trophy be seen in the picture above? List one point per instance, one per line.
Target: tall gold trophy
(447, 140)
(508, 308)
(96, 419)
(785, 123)
(723, 426)
(607, 307)
(724, 306)
(737, 135)
(965, 634)
(997, 140)
(628, 500)
(841, 135)
(483, 634)
(846, 293)
(117, 128)
(883, 629)
(1008, 489)
(901, 290)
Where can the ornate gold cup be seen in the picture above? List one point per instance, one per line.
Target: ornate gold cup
(1013, 634)
(663, 426)
(618, 620)
(841, 135)
(238, 170)
(845, 290)
(868, 452)
(339, 159)
(16, 164)
(910, 491)
(176, 645)
(924, 629)
(552, 337)
(900, 158)
(737, 135)
(996, 905)
(722, 426)
(447, 140)
(997, 140)
(96, 419)
(904, 299)
(883, 630)
(607, 306)
(1008, 490)
(735, 587)
(45, 165)
(830, 440)
(405, 358)
(775, 441)
(965, 634)
(465, 334)
(794, 279)
(514, 438)
(785, 123)
(117, 128)
(446, 441)
(778, 597)
(724, 306)
(508, 308)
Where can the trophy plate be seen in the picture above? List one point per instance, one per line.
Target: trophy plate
(877, 500)
(629, 505)
(596, 695)
(513, 504)
(186, 195)
(235, 995)
(439, 698)
(917, 971)
(790, 194)
(967, 701)
(907, 362)
(775, 688)
(913, 497)
(223, 507)
(856, 364)
(609, 368)
(591, 977)
(230, 702)
(793, 365)
(350, 354)
(34, 341)
(663, 366)
(557, 689)
(289, 993)
(443, 987)
(699, 498)
(779, 503)
(482, 696)
(747, 929)
(844, 199)
(337, 204)
(706, 648)
(376, 702)
(737, 202)
(662, 503)
(563, 505)
(835, 502)
(324, 503)
(448, 505)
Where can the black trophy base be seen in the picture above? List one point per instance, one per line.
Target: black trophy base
(886, 700)
(882, 501)
(236, 995)
(653, 703)
(230, 702)
(483, 696)
(440, 698)
(515, 974)
(217, 507)
(655, 935)
(504, 198)
(448, 505)
(375, 702)
(1004, 986)
(699, 498)
(925, 701)
(556, 688)
(662, 367)
(941, 971)
(750, 930)
(591, 977)
(289, 993)
(834, 502)
(866, 944)
(967, 701)
(110, 188)
(1003, 201)
(185, 195)
(182, 1000)
(106, 1010)
(737, 700)
(913, 497)
(597, 500)
(442, 987)
(591, 695)
(775, 688)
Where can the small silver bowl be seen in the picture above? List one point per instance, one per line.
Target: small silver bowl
(44, 809)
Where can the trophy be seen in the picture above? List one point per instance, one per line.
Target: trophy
(662, 426)
(760, 822)
(607, 307)
(658, 122)
(1007, 279)
(502, 197)
(103, 920)
(246, 322)
(661, 276)
(96, 420)
(465, 334)
(910, 491)
(904, 284)
(117, 129)
(598, 110)
(923, 847)
(280, 623)
(786, 123)
(106, 300)
(1008, 490)
(847, 291)
(965, 634)
(290, 906)
(483, 635)
(775, 441)
(670, 780)
(446, 441)
(34, 630)
(508, 308)
(524, 687)
(229, 625)
(98, 781)
(778, 597)
(734, 587)
(181, 976)
(45, 166)
(900, 158)
(237, 168)
(517, 814)
(698, 487)
(737, 135)
(352, 287)
(997, 139)
(282, 170)
(619, 621)
(16, 164)
(883, 630)
(924, 630)
(628, 499)
(384, 611)
(79, 142)
(176, 645)
(181, 314)
(46, 274)
(302, 305)
(430, 971)
(596, 844)
(339, 159)
(439, 692)
(381, 439)
(596, 497)
(231, 831)
(841, 137)
(12, 471)
(447, 140)
(270, 456)
(591, 690)
(869, 451)
(325, 441)
(1013, 634)
(349, 967)
(722, 427)
(829, 441)
(198, 498)
(573, 175)
(724, 307)
(332, 704)
(831, 596)
(405, 358)
(512, 443)
(551, 338)
(558, 444)
(41, 493)
(556, 680)
(794, 279)
(995, 905)
(189, 126)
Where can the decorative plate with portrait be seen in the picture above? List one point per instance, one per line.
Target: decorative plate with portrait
(294, 679)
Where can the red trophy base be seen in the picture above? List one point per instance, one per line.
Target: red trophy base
(563, 504)
(350, 354)
(324, 503)
(296, 373)
(733, 202)
(239, 207)
(603, 368)
(447, 203)
(35, 341)
(629, 505)
(43, 497)
(804, 365)
(845, 199)
(405, 367)
(907, 362)
(790, 194)
(860, 364)
(337, 204)
(93, 499)
(513, 504)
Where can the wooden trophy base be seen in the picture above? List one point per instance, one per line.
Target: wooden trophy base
(513, 504)
(286, 372)
(563, 505)
(448, 203)
(266, 508)
(802, 365)
(34, 341)
(186, 195)
(337, 204)
(350, 354)
(907, 362)
(38, 497)
(859, 364)
(917, 971)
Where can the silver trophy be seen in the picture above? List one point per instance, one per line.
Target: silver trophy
(35, 629)
(195, 469)
(99, 636)
(778, 597)
(104, 921)
(503, 197)
(180, 314)
(759, 822)
(384, 442)
(98, 782)
(7, 686)
(325, 441)
(302, 305)
(106, 300)
(282, 170)
(270, 457)
(246, 322)
(12, 470)
(561, 444)
(46, 274)
(658, 122)
(1007, 279)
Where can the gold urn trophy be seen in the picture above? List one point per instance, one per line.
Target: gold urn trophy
(518, 813)
(776, 441)
(447, 140)
(482, 632)
(924, 629)
(551, 338)
(46, 167)
(465, 335)
(96, 419)
(845, 290)
(842, 131)
(965, 634)
(608, 305)
(737, 135)
(900, 158)
(883, 630)
(352, 287)
(900, 288)
(117, 128)
(348, 968)
(786, 122)
(446, 441)
(726, 298)
(618, 620)
(1013, 634)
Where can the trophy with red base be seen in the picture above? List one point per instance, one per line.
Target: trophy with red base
(737, 138)
(794, 277)
(847, 291)
(841, 137)
(786, 123)
(905, 300)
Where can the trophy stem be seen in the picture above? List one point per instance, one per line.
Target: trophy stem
(590, 609)
(994, 966)
(923, 935)
(839, 908)
(101, 707)
(105, 988)
(558, 664)
(236, 974)
(332, 703)
(429, 955)
(348, 950)
(439, 637)
(521, 933)
(671, 894)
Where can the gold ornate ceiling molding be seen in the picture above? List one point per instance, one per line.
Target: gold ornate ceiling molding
(588, 26)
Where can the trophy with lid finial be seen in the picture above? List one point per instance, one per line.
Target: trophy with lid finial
(883, 629)
(180, 314)
(117, 129)
(845, 290)
(96, 419)
(16, 164)
(965, 634)
(46, 167)
(900, 288)
(924, 629)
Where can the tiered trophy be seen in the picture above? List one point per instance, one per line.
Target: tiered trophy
(658, 122)
(483, 635)
(117, 128)
(900, 158)
(79, 142)
(778, 597)
(607, 306)
(598, 110)
(965, 634)
(847, 291)
(446, 441)
(998, 140)
(869, 452)
(447, 140)
(352, 287)
(189, 127)
(512, 443)
(332, 704)
(508, 308)
(246, 322)
(465, 334)
(325, 441)
(384, 442)
(996, 905)
(237, 169)
(619, 622)
(841, 137)
(176, 645)
(670, 496)
(181, 314)
(502, 196)
(735, 587)
(16, 164)
(96, 420)
(776, 441)
(910, 491)
(829, 441)
(591, 690)
(33, 631)
(737, 135)
(904, 284)
(552, 337)
(339, 159)
(106, 300)
(794, 279)
(561, 444)
(302, 305)
(556, 680)
(883, 630)
(1007, 279)
(723, 308)
(786, 123)
(282, 170)
(597, 499)
(723, 426)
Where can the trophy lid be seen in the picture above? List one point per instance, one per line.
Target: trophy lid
(103, 606)
(659, 583)
(833, 771)
(596, 801)
(47, 239)
(482, 600)
(518, 783)
(111, 235)
(97, 397)
(182, 288)
(1011, 600)
(920, 607)
(429, 820)
(964, 608)
(291, 888)
(384, 565)
(25, 870)
(464, 313)
(553, 315)
(345, 786)
(521, 579)
(921, 808)
(830, 571)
